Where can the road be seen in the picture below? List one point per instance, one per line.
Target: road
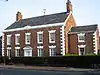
(8, 71)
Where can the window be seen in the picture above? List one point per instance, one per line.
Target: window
(81, 37)
(27, 51)
(40, 37)
(52, 52)
(27, 39)
(81, 50)
(8, 39)
(17, 39)
(40, 52)
(17, 52)
(52, 36)
(9, 52)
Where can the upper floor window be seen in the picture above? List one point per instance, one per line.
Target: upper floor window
(40, 37)
(17, 39)
(8, 39)
(52, 36)
(81, 37)
(27, 38)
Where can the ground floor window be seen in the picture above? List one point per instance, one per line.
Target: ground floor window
(52, 52)
(9, 53)
(17, 52)
(82, 51)
(40, 52)
(27, 51)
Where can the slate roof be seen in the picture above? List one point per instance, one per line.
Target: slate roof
(40, 20)
(84, 28)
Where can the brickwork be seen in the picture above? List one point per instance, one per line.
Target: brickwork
(34, 43)
(69, 24)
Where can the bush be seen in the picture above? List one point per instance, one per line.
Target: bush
(71, 54)
(61, 61)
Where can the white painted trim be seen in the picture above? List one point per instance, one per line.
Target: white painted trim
(52, 46)
(16, 53)
(81, 34)
(8, 47)
(40, 32)
(8, 36)
(17, 34)
(27, 47)
(16, 39)
(80, 52)
(26, 38)
(95, 40)
(51, 31)
(40, 51)
(25, 54)
(81, 46)
(27, 33)
(17, 47)
(39, 46)
(35, 27)
(62, 40)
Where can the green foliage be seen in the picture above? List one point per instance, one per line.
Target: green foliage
(71, 54)
(91, 54)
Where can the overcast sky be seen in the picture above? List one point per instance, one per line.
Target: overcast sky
(85, 12)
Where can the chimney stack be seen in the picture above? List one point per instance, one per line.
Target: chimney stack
(68, 6)
(18, 16)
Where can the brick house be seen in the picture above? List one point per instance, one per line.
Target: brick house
(84, 39)
(49, 35)
(45, 35)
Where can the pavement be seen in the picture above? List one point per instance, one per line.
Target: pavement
(64, 69)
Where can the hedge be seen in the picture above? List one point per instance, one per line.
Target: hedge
(61, 61)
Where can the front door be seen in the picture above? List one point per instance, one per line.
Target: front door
(82, 51)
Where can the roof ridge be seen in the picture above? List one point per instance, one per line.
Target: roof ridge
(45, 15)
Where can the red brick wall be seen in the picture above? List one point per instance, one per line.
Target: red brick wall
(69, 24)
(73, 43)
(89, 42)
(34, 43)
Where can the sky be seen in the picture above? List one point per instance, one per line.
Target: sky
(85, 12)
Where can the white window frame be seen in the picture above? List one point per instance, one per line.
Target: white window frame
(38, 40)
(81, 46)
(52, 31)
(26, 54)
(27, 49)
(52, 47)
(16, 53)
(9, 52)
(40, 52)
(16, 39)
(26, 42)
(81, 34)
(8, 41)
